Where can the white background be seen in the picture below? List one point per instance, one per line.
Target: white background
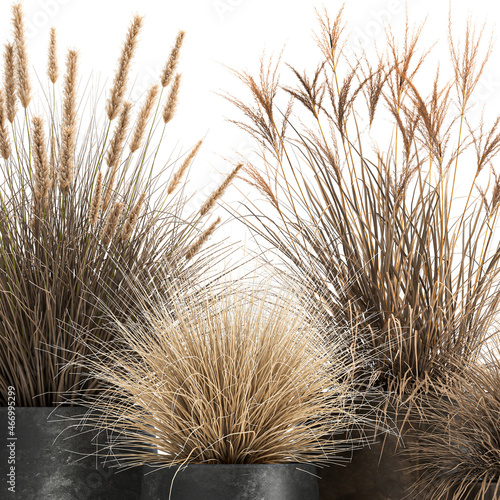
(231, 33)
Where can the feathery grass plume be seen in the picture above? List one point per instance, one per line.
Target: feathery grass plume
(458, 456)
(95, 205)
(143, 117)
(117, 92)
(197, 244)
(110, 184)
(10, 81)
(68, 121)
(179, 174)
(22, 69)
(131, 221)
(372, 231)
(116, 144)
(171, 104)
(233, 377)
(52, 66)
(43, 181)
(112, 222)
(173, 59)
(208, 205)
(4, 134)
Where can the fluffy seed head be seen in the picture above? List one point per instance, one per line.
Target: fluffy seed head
(172, 61)
(10, 81)
(195, 247)
(96, 199)
(171, 104)
(116, 145)
(121, 76)
(43, 182)
(23, 79)
(112, 222)
(176, 179)
(143, 117)
(52, 66)
(207, 206)
(4, 135)
(131, 221)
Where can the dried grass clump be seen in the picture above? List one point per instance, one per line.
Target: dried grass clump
(384, 236)
(460, 451)
(233, 377)
(73, 229)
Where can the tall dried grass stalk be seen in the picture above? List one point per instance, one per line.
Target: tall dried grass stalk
(237, 377)
(116, 145)
(195, 247)
(22, 66)
(179, 174)
(69, 121)
(173, 96)
(10, 81)
(43, 181)
(131, 221)
(117, 92)
(52, 65)
(143, 118)
(96, 200)
(173, 60)
(216, 195)
(4, 133)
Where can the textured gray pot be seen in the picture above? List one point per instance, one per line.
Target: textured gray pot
(232, 482)
(52, 462)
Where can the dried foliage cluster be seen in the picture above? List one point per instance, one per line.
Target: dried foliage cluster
(384, 237)
(238, 376)
(84, 202)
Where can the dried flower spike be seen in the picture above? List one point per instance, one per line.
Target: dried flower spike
(121, 77)
(172, 61)
(112, 222)
(23, 79)
(68, 126)
(176, 179)
(143, 117)
(10, 82)
(195, 247)
(52, 66)
(4, 135)
(169, 110)
(109, 188)
(43, 181)
(207, 206)
(95, 205)
(116, 144)
(131, 221)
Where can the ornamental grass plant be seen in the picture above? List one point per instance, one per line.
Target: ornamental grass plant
(239, 376)
(458, 457)
(86, 199)
(380, 194)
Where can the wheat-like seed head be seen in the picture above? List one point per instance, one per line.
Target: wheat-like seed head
(43, 181)
(10, 81)
(95, 204)
(52, 66)
(197, 244)
(117, 92)
(115, 148)
(131, 221)
(171, 104)
(110, 184)
(4, 134)
(179, 174)
(23, 79)
(143, 117)
(173, 59)
(112, 222)
(208, 205)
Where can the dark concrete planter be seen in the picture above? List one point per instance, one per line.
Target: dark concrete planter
(232, 482)
(52, 462)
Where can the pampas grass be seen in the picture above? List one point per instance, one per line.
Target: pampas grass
(238, 376)
(80, 210)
